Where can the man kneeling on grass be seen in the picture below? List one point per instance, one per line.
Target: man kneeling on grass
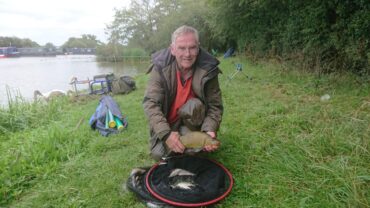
(182, 95)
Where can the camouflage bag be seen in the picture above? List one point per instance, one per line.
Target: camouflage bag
(123, 85)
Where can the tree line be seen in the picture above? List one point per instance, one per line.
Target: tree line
(323, 36)
(17, 42)
(85, 41)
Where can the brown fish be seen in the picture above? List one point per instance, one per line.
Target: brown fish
(197, 140)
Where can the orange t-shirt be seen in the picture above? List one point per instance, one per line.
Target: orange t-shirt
(183, 94)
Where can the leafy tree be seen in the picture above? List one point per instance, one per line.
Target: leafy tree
(182, 12)
(117, 52)
(50, 46)
(110, 52)
(17, 42)
(324, 36)
(149, 24)
(86, 41)
(319, 35)
(133, 26)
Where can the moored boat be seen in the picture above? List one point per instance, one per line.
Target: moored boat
(6, 52)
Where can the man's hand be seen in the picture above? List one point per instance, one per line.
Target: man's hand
(173, 142)
(212, 134)
(211, 148)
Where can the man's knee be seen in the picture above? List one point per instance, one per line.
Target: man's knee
(158, 151)
(192, 113)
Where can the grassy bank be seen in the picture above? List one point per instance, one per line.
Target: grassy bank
(284, 146)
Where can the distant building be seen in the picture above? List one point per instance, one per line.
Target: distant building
(80, 51)
(43, 51)
(38, 51)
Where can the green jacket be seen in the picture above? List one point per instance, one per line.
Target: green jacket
(161, 91)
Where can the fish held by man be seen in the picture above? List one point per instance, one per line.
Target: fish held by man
(195, 141)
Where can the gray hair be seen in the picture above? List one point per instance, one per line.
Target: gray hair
(184, 30)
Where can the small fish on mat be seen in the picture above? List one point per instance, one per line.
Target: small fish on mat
(182, 179)
(180, 172)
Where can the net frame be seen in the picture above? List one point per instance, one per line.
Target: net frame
(181, 204)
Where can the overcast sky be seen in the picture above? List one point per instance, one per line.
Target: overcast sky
(56, 20)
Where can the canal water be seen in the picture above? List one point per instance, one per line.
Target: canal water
(22, 76)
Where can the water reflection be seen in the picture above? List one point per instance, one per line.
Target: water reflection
(26, 74)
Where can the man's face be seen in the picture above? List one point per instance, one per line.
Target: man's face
(185, 49)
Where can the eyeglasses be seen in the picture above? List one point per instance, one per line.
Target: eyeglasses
(191, 50)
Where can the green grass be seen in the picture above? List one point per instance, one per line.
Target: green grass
(284, 146)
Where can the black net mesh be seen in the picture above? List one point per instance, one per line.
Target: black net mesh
(208, 180)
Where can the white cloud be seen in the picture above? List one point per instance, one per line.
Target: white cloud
(55, 21)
